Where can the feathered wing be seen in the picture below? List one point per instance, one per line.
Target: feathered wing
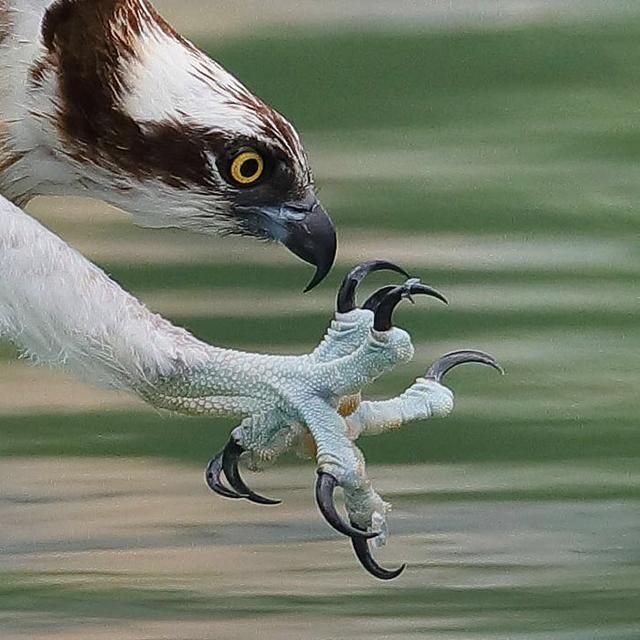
(63, 311)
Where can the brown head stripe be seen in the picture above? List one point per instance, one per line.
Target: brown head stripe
(4, 20)
(88, 40)
(87, 43)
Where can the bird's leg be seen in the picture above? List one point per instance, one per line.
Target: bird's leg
(422, 400)
(348, 331)
(425, 398)
(288, 398)
(341, 464)
(168, 395)
(265, 437)
(96, 329)
(338, 458)
(351, 324)
(384, 347)
(260, 438)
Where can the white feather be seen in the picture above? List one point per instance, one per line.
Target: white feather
(167, 81)
(57, 306)
(65, 312)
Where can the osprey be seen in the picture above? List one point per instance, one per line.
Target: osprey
(103, 98)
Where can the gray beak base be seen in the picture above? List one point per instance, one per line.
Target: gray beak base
(302, 226)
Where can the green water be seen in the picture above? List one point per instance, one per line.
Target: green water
(518, 148)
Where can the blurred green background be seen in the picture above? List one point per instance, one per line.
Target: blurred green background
(497, 161)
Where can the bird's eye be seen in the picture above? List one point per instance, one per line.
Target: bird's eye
(247, 168)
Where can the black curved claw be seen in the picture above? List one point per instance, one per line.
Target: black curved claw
(383, 320)
(363, 553)
(212, 478)
(230, 456)
(442, 366)
(346, 300)
(372, 302)
(325, 486)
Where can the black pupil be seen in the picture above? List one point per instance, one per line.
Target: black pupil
(249, 168)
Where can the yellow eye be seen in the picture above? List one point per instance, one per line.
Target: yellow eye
(247, 167)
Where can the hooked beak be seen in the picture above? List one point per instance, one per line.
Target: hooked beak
(306, 229)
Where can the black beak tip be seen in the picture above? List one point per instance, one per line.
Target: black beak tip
(323, 259)
(314, 240)
(319, 276)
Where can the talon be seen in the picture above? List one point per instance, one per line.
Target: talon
(383, 320)
(212, 478)
(230, 457)
(442, 366)
(372, 302)
(363, 553)
(325, 486)
(346, 300)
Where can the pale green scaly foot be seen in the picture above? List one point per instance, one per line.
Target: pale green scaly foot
(315, 399)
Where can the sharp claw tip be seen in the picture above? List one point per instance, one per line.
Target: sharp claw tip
(230, 457)
(434, 293)
(326, 484)
(439, 369)
(363, 553)
(258, 499)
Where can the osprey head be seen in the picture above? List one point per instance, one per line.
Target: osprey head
(146, 121)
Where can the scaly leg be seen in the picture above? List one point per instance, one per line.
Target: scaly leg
(425, 398)
(283, 398)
